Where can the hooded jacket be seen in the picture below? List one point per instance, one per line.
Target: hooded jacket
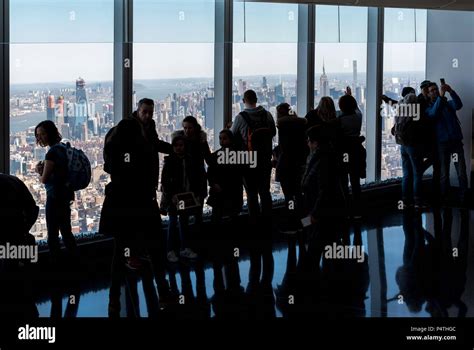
(132, 149)
(240, 127)
(293, 149)
(443, 112)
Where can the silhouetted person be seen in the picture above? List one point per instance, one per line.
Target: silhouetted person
(354, 154)
(291, 162)
(18, 213)
(181, 174)
(255, 128)
(130, 211)
(53, 174)
(198, 148)
(225, 181)
(410, 134)
(449, 137)
(324, 204)
(325, 114)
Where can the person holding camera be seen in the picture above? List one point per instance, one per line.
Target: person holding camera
(448, 136)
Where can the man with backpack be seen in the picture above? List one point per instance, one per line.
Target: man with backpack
(255, 128)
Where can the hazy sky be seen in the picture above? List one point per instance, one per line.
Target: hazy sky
(59, 40)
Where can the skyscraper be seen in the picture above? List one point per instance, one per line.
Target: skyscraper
(81, 93)
(134, 100)
(264, 83)
(354, 74)
(50, 109)
(209, 112)
(60, 110)
(324, 83)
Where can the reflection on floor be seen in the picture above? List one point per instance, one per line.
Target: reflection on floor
(400, 265)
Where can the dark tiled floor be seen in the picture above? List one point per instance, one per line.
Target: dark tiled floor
(414, 266)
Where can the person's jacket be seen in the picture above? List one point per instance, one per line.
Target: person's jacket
(18, 210)
(133, 150)
(240, 127)
(229, 178)
(293, 148)
(321, 184)
(180, 175)
(447, 125)
(199, 150)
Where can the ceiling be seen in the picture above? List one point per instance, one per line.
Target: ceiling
(460, 5)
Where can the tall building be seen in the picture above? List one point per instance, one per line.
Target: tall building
(354, 74)
(134, 100)
(81, 93)
(324, 83)
(50, 109)
(264, 83)
(60, 110)
(209, 112)
(279, 93)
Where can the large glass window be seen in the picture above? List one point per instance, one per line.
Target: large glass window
(61, 69)
(341, 54)
(404, 65)
(173, 55)
(265, 56)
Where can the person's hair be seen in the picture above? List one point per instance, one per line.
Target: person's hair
(326, 109)
(432, 84)
(348, 104)
(283, 110)
(229, 134)
(408, 90)
(250, 96)
(146, 101)
(190, 119)
(177, 139)
(318, 133)
(409, 98)
(51, 130)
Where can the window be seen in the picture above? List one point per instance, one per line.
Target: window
(174, 62)
(404, 65)
(61, 69)
(265, 56)
(341, 54)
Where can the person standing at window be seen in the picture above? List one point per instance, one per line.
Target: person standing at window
(53, 174)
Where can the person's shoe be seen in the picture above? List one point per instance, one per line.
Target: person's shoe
(172, 257)
(188, 254)
(134, 263)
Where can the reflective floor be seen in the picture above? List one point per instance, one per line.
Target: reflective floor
(409, 265)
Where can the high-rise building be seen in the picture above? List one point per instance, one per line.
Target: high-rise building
(50, 109)
(60, 110)
(134, 100)
(354, 74)
(264, 83)
(209, 112)
(81, 93)
(324, 83)
(279, 93)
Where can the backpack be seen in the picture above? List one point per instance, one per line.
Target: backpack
(259, 135)
(79, 168)
(107, 154)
